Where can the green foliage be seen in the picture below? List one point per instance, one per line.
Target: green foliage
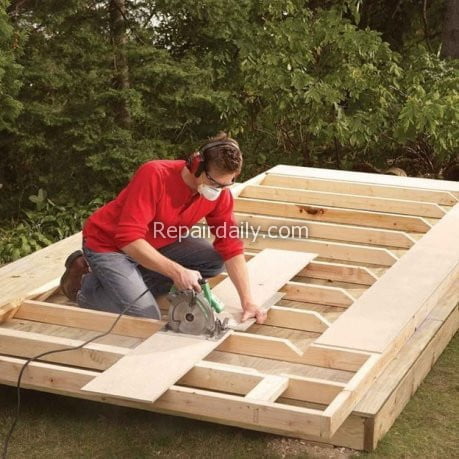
(44, 224)
(308, 83)
(429, 103)
(10, 82)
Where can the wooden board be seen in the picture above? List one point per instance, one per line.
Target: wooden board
(404, 295)
(36, 271)
(161, 360)
(366, 177)
(269, 271)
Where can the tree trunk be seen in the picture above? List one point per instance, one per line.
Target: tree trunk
(121, 68)
(450, 34)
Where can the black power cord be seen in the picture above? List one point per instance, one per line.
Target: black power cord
(36, 357)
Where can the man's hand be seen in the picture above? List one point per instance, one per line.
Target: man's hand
(253, 310)
(187, 279)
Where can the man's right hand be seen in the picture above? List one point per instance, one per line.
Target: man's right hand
(187, 279)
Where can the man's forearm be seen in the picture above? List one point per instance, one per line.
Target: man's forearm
(238, 273)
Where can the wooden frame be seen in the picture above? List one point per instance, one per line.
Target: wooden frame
(301, 374)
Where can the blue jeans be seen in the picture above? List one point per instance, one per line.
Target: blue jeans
(116, 280)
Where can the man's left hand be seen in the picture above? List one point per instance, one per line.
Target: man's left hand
(253, 310)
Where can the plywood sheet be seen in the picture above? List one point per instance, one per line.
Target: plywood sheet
(269, 271)
(161, 360)
(404, 295)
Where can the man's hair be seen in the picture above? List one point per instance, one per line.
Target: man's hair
(225, 155)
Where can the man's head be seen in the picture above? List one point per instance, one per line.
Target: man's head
(216, 164)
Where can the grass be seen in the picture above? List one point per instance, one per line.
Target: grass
(53, 426)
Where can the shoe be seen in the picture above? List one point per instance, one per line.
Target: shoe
(76, 266)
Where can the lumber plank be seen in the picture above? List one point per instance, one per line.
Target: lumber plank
(296, 319)
(28, 344)
(339, 272)
(88, 319)
(332, 215)
(409, 383)
(376, 322)
(126, 379)
(282, 349)
(374, 190)
(269, 389)
(347, 201)
(152, 367)
(200, 404)
(329, 250)
(44, 267)
(308, 229)
(268, 271)
(432, 330)
(241, 380)
(365, 177)
(333, 296)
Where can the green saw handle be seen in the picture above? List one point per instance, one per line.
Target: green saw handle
(214, 302)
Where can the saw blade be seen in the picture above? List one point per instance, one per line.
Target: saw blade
(189, 313)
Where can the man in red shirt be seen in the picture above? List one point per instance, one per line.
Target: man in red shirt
(136, 246)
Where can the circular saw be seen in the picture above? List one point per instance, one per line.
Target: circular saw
(192, 313)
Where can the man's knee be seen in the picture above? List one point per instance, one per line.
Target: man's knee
(212, 264)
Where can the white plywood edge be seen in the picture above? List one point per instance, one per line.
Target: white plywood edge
(365, 177)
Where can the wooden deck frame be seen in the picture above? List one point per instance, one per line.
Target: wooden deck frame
(266, 398)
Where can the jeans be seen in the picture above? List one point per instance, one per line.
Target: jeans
(116, 280)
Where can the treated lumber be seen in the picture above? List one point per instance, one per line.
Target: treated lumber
(339, 272)
(28, 344)
(426, 344)
(330, 250)
(347, 201)
(88, 319)
(332, 214)
(365, 177)
(269, 389)
(333, 271)
(126, 379)
(376, 322)
(409, 383)
(343, 404)
(347, 233)
(241, 380)
(36, 271)
(333, 296)
(147, 371)
(296, 319)
(184, 401)
(283, 349)
(374, 190)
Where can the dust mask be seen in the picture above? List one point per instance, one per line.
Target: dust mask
(209, 192)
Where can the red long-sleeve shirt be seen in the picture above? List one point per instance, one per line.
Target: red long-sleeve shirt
(154, 206)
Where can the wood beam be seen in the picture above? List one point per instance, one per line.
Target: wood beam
(332, 215)
(365, 189)
(341, 200)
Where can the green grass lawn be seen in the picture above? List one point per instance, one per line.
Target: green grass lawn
(55, 426)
